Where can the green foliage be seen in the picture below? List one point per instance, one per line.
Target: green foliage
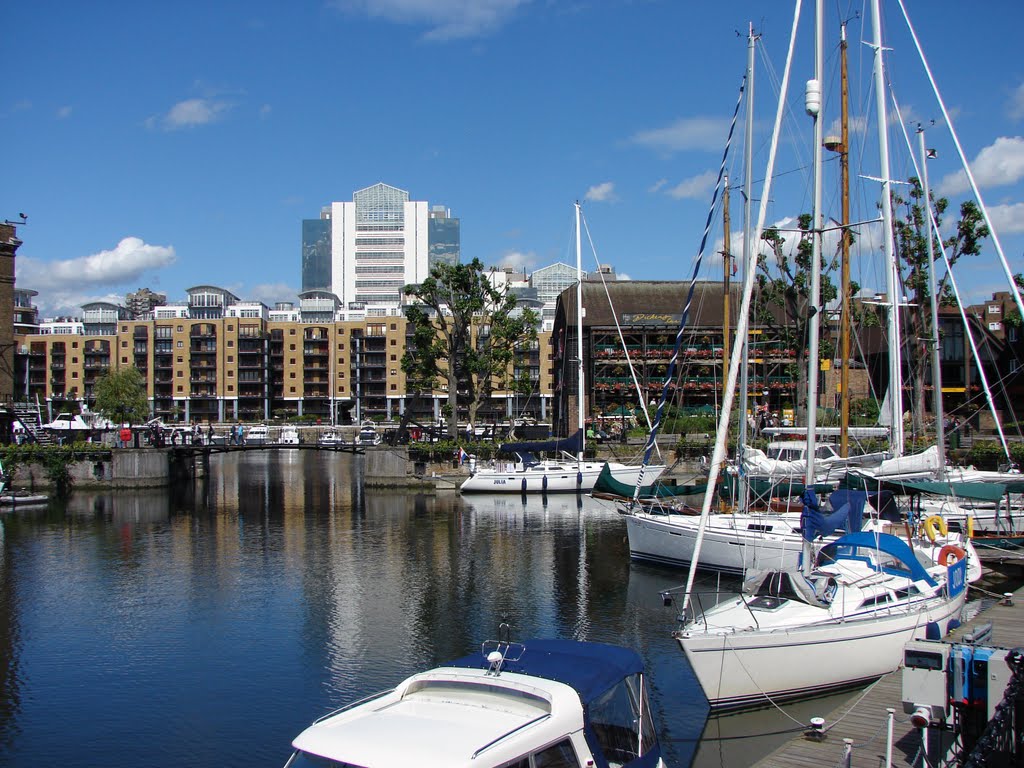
(121, 396)
(466, 332)
(864, 411)
(55, 460)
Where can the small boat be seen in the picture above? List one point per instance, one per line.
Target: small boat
(540, 702)
(330, 439)
(257, 434)
(289, 436)
(368, 435)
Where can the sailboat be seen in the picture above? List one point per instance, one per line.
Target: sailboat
(847, 611)
(571, 473)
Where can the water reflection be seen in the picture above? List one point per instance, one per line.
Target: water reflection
(210, 625)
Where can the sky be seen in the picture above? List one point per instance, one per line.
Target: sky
(169, 145)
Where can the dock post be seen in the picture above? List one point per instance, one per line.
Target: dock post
(888, 738)
(847, 753)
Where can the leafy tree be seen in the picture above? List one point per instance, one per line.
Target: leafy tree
(465, 331)
(910, 231)
(121, 396)
(785, 283)
(1013, 316)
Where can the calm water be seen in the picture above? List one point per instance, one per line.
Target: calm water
(137, 629)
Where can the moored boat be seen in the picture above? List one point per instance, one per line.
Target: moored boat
(540, 702)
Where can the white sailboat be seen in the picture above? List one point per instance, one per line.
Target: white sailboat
(847, 613)
(571, 473)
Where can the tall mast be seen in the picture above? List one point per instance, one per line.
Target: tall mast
(748, 264)
(892, 283)
(940, 437)
(813, 103)
(579, 335)
(727, 264)
(844, 170)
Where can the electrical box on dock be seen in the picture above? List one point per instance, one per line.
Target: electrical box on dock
(924, 679)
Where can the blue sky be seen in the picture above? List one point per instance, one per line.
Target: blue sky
(174, 144)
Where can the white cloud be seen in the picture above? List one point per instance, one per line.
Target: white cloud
(695, 187)
(190, 113)
(270, 293)
(68, 283)
(518, 260)
(657, 186)
(699, 133)
(1008, 218)
(63, 113)
(446, 19)
(601, 193)
(265, 111)
(996, 165)
(1016, 106)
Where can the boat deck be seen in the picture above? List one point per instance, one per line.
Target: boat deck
(863, 721)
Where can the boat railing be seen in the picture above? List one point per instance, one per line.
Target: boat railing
(353, 704)
(504, 736)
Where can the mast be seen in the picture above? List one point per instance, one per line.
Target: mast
(579, 337)
(813, 103)
(940, 437)
(727, 265)
(748, 185)
(892, 283)
(844, 170)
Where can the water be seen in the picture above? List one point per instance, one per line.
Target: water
(209, 628)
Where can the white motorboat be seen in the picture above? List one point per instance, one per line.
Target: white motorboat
(844, 623)
(541, 702)
(331, 439)
(289, 436)
(257, 434)
(368, 435)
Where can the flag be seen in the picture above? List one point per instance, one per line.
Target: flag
(462, 455)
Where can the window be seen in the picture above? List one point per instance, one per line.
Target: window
(231, 342)
(616, 716)
(124, 361)
(231, 327)
(231, 387)
(291, 332)
(181, 328)
(291, 347)
(74, 359)
(995, 309)
(74, 345)
(995, 326)
(231, 358)
(124, 329)
(180, 345)
(181, 388)
(291, 390)
(180, 374)
(291, 376)
(124, 345)
(394, 358)
(394, 387)
(231, 375)
(74, 374)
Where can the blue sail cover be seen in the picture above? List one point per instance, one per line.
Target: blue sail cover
(849, 547)
(847, 514)
(572, 444)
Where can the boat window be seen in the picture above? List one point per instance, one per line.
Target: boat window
(902, 594)
(759, 527)
(614, 717)
(885, 597)
(560, 755)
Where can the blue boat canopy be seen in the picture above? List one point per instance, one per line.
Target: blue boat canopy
(847, 514)
(858, 545)
(572, 444)
(589, 668)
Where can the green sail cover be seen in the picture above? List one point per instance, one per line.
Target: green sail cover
(974, 491)
(607, 484)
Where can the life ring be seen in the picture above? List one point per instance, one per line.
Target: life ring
(950, 554)
(934, 526)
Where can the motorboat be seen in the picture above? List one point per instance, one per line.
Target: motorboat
(257, 434)
(368, 435)
(840, 623)
(331, 439)
(289, 436)
(539, 702)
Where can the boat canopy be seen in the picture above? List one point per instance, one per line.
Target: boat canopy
(858, 545)
(572, 444)
(974, 490)
(589, 668)
(847, 513)
(607, 483)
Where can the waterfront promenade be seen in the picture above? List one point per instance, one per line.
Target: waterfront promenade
(864, 720)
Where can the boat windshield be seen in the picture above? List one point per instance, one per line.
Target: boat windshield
(622, 722)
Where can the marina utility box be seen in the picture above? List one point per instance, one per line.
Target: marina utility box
(924, 678)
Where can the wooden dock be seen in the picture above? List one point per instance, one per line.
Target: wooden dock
(864, 720)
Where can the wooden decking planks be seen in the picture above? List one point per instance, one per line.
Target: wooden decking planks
(864, 719)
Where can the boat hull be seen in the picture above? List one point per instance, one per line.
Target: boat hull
(552, 477)
(744, 669)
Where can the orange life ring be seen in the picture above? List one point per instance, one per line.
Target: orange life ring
(950, 554)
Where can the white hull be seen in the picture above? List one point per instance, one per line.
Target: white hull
(737, 544)
(732, 543)
(553, 477)
(741, 668)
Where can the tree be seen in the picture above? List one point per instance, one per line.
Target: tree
(121, 396)
(465, 331)
(787, 284)
(910, 232)
(1013, 316)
